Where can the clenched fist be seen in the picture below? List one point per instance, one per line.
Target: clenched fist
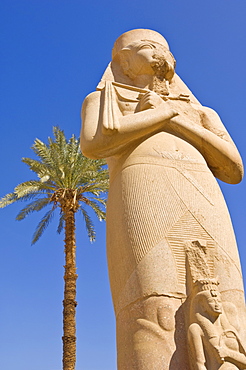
(149, 100)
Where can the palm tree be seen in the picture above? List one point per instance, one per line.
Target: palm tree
(70, 182)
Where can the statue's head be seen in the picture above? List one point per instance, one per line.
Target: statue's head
(207, 299)
(144, 52)
(128, 48)
(211, 302)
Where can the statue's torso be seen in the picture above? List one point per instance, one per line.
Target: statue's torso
(158, 146)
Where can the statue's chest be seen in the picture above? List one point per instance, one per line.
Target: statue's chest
(127, 107)
(128, 103)
(127, 100)
(185, 109)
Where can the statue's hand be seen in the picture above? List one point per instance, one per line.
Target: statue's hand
(150, 100)
(222, 353)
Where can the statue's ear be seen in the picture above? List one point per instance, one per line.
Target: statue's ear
(125, 65)
(125, 62)
(124, 58)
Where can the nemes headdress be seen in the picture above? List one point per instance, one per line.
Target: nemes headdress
(140, 34)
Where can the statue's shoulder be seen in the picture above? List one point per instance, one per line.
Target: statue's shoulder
(93, 95)
(208, 110)
(205, 110)
(209, 115)
(194, 329)
(92, 98)
(91, 103)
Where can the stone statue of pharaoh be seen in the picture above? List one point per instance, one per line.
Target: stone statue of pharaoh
(164, 150)
(214, 343)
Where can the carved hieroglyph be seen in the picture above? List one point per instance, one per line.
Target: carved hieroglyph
(164, 150)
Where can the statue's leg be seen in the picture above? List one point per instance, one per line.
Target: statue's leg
(151, 335)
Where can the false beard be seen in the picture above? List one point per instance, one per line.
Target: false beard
(160, 84)
(163, 72)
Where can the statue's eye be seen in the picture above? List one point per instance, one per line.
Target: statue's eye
(146, 46)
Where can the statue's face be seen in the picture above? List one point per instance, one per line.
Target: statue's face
(147, 58)
(141, 59)
(214, 304)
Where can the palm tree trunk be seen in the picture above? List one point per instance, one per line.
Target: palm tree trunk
(69, 303)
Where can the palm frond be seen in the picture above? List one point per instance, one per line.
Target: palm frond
(36, 166)
(73, 148)
(36, 205)
(43, 224)
(100, 200)
(60, 138)
(8, 199)
(69, 156)
(49, 157)
(31, 187)
(13, 197)
(101, 214)
(42, 151)
(96, 189)
(94, 177)
(88, 224)
(34, 195)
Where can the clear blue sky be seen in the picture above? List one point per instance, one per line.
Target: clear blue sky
(53, 53)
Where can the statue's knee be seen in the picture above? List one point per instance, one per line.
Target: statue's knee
(157, 320)
(161, 310)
